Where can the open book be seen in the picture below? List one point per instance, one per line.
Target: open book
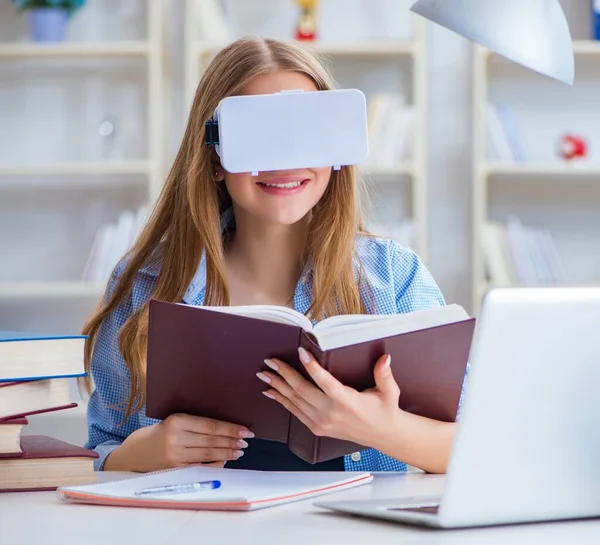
(203, 361)
(239, 490)
(349, 329)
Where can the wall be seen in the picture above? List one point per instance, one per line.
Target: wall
(449, 135)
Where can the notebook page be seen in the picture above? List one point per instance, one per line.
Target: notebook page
(236, 485)
(354, 331)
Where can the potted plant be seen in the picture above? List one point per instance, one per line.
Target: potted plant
(48, 18)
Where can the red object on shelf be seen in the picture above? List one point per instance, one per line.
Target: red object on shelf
(572, 146)
(306, 31)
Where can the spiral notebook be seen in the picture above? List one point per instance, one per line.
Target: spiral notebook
(240, 490)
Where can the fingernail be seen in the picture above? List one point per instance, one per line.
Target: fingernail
(241, 444)
(387, 362)
(304, 357)
(238, 453)
(267, 394)
(272, 364)
(263, 377)
(246, 434)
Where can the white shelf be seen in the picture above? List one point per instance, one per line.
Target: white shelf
(541, 169)
(580, 48)
(36, 305)
(50, 290)
(349, 49)
(586, 47)
(77, 168)
(74, 49)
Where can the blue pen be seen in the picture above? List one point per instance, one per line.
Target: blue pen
(180, 488)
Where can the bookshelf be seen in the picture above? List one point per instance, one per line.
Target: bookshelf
(398, 191)
(59, 183)
(541, 189)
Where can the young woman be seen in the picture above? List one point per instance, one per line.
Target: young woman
(282, 238)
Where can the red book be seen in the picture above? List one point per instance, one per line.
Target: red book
(10, 437)
(203, 361)
(45, 464)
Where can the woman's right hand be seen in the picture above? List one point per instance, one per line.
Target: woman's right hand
(179, 440)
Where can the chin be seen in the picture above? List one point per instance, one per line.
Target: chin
(285, 219)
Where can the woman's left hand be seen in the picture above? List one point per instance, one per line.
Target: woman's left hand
(336, 410)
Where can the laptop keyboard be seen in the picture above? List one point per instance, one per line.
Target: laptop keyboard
(430, 509)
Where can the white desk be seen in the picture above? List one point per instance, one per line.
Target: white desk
(39, 517)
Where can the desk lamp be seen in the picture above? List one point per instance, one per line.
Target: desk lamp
(533, 33)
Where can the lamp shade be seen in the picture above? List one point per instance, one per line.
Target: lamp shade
(533, 33)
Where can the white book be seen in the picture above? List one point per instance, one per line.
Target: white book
(519, 246)
(495, 256)
(93, 258)
(497, 138)
(104, 268)
(237, 489)
(380, 125)
(540, 267)
(553, 260)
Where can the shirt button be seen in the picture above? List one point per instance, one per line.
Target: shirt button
(355, 456)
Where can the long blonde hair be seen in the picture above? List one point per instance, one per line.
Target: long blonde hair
(185, 222)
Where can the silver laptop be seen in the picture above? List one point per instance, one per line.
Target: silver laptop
(527, 447)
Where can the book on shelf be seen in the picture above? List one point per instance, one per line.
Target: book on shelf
(29, 356)
(112, 241)
(45, 463)
(29, 397)
(10, 437)
(515, 254)
(391, 128)
(237, 489)
(503, 135)
(203, 361)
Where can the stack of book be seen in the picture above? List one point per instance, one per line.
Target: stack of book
(112, 241)
(391, 131)
(35, 371)
(519, 255)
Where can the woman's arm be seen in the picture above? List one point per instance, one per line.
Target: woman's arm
(371, 418)
(418, 441)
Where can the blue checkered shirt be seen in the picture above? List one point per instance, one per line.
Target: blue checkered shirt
(399, 282)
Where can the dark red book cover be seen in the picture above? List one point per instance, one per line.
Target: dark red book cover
(204, 363)
(41, 411)
(40, 446)
(20, 421)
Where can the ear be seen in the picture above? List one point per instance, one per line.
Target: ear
(217, 171)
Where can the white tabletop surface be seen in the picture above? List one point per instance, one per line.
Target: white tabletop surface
(40, 518)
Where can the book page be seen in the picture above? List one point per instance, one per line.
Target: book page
(354, 329)
(271, 313)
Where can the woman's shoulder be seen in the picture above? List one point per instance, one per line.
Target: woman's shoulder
(385, 255)
(396, 275)
(144, 280)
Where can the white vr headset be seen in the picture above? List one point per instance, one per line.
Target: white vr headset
(290, 130)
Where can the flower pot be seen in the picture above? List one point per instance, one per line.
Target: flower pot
(48, 24)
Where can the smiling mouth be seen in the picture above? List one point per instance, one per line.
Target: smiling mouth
(284, 185)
